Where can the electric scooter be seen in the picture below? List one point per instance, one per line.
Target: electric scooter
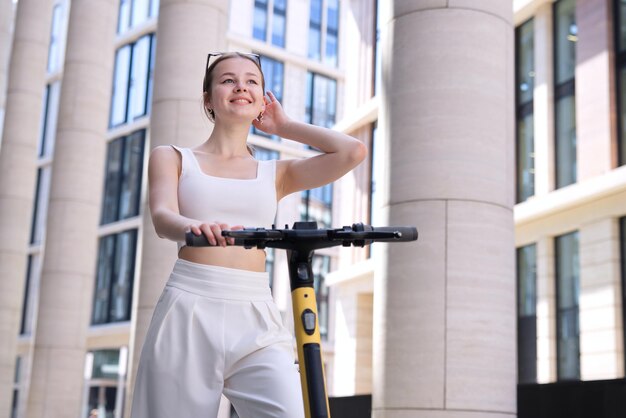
(300, 242)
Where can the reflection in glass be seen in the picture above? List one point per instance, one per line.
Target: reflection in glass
(259, 27)
(124, 169)
(568, 292)
(525, 158)
(279, 23)
(565, 131)
(527, 313)
(565, 39)
(114, 277)
(566, 36)
(315, 30)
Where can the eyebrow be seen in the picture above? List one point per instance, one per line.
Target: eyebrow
(234, 75)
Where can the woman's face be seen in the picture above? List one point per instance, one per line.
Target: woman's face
(236, 90)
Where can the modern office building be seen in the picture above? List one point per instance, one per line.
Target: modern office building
(495, 127)
(570, 216)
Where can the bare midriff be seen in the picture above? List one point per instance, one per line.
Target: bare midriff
(231, 257)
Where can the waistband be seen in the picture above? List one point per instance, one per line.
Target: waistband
(220, 282)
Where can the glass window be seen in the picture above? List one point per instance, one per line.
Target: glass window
(324, 31)
(565, 38)
(567, 291)
(321, 100)
(121, 78)
(527, 314)
(40, 206)
(105, 382)
(16, 387)
(259, 28)
(273, 71)
(132, 81)
(265, 154)
(54, 49)
(332, 32)
(315, 30)
(316, 205)
(114, 278)
(124, 169)
(378, 53)
(133, 13)
(525, 76)
(321, 267)
(620, 8)
(376, 177)
(279, 23)
(29, 300)
(48, 123)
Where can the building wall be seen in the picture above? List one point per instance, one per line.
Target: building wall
(592, 205)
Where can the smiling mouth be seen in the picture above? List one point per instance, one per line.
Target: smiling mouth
(243, 101)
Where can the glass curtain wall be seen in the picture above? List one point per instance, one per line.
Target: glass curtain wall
(565, 39)
(525, 84)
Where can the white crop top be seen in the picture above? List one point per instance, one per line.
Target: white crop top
(247, 202)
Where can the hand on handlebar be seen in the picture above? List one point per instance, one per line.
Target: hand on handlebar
(213, 232)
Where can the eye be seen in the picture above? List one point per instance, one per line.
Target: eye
(252, 82)
(228, 80)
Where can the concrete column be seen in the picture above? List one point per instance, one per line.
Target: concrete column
(6, 35)
(67, 281)
(596, 133)
(25, 86)
(186, 33)
(444, 322)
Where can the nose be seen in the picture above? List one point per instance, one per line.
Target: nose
(240, 87)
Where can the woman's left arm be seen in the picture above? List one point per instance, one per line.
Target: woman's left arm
(340, 152)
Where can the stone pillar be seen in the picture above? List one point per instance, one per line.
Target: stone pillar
(186, 33)
(18, 172)
(68, 271)
(596, 112)
(543, 102)
(444, 324)
(6, 35)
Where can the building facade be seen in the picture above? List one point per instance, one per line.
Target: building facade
(571, 186)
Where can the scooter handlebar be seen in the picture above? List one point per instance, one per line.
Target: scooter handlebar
(401, 233)
(357, 235)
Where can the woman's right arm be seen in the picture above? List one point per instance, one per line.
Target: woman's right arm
(164, 168)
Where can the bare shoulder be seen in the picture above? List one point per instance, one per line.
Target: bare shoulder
(164, 157)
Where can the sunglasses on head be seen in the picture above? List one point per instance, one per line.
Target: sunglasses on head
(255, 57)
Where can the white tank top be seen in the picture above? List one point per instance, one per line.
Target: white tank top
(247, 202)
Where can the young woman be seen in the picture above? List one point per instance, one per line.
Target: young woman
(215, 329)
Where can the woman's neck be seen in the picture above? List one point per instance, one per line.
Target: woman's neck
(228, 140)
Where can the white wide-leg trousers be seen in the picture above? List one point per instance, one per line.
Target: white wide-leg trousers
(216, 330)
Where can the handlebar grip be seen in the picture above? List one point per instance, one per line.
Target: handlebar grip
(193, 240)
(403, 233)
